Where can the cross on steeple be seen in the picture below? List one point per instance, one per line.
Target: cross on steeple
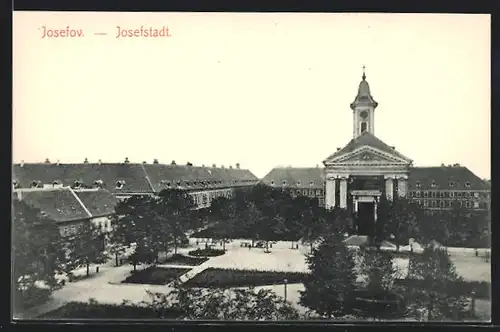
(364, 75)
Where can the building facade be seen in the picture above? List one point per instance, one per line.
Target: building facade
(128, 179)
(357, 175)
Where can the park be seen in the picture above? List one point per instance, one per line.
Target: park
(264, 247)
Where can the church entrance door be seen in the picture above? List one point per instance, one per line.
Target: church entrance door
(366, 218)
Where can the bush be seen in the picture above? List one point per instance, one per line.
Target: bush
(380, 305)
(103, 311)
(482, 289)
(155, 275)
(30, 298)
(214, 277)
(209, 252)
(179, 259)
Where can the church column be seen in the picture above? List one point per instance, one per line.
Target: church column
(330, 193)
(389, 188)
(402, 185)
(343, 193)
(355, 203)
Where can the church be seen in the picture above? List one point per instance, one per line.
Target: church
(357, 175)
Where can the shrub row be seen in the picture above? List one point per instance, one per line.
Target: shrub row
(178, 259)
(208, 252)
(214, 277)
(482, 289)
(77, 310)
(155, 275)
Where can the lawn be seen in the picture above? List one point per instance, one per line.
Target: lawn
(155, 275)
(214, 277)
(179, 259)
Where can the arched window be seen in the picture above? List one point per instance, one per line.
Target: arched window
(120, 184)
(363, 127)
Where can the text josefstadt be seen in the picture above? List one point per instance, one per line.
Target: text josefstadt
(142, 32)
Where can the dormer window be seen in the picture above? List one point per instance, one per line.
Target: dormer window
(311, 183)
(15, 184)
(188, 184)
(77, 184)
(166, 183)
(467, 184)
(178, 183)
(451, 184)
(298, 183)
(35, 184)
(120, 184)
(98, 183)
(433, 184)
(417, 184)
(272, 182)
(284, 182)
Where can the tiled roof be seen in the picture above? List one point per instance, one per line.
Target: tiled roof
(60, 204)
(195, 178)
(442, 176)
(296, 177)
(98, 202)
(136, 178)
(366, 139)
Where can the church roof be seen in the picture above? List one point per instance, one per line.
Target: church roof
(364, 96)
(444, 178)
(135, 178)
(312, 177)
(366, 139)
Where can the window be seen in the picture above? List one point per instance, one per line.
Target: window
(98, 183)
(77, 184)
(34, 184)
(179, 183)
(426, 203)
(417, 194)
(476, 205)
(417, 184)
(304, 192)
(467, 204)
(441, 194)
(311, 183)
(419, 202)
(451, 184)
(459, 194)
(467, 184)
(318, 192)
(442, 204)
(433, 194)
(434, 204)
(426, 194)
(284, 182)
(363, 127)
(476, 195)
(450, 203)
(298, 183)
(272, 182)
(433, 184)
(468, 194)
(120, 184)
(298, 192)
(452, 194)
(311, 192)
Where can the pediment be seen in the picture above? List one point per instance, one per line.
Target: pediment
(367, 155)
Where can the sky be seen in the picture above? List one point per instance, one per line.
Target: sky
(262, 90)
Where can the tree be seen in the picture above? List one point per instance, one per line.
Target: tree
(117, 239)
(174, 209)
(251, 217)
(86, 248)
(378, 269)
(37, 254)
(439, 294)
(403, 221)
(227, 215)
(222, 304)
(330, 289)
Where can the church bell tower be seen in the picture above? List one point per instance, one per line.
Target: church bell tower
(363, 108)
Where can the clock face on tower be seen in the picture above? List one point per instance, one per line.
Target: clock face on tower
(364, 114)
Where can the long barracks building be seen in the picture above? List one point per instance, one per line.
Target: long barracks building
(356, 175)
(127, 179)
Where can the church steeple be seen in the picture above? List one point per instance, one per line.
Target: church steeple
(363, 108)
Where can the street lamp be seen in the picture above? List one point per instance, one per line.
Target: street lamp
(286, 282)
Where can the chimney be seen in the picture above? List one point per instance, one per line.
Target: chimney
(231, 166)
(144, 162)
(126, 160)
(202, 165)
(58, 162)
(214, 166)
(47, 161)
(393, 147)
(338, 149)
(22, 163)
(173, 162)
(221, 166)
(86, 161)
(189, 164)
(99, 161)
(237, 165)
(155, 161)
(442, 165)
(317, 166)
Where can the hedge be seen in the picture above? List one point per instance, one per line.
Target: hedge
(178, 259)
(209, 252)
(482, 289)
(215, 277)
(103, 311)
(155, 275)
